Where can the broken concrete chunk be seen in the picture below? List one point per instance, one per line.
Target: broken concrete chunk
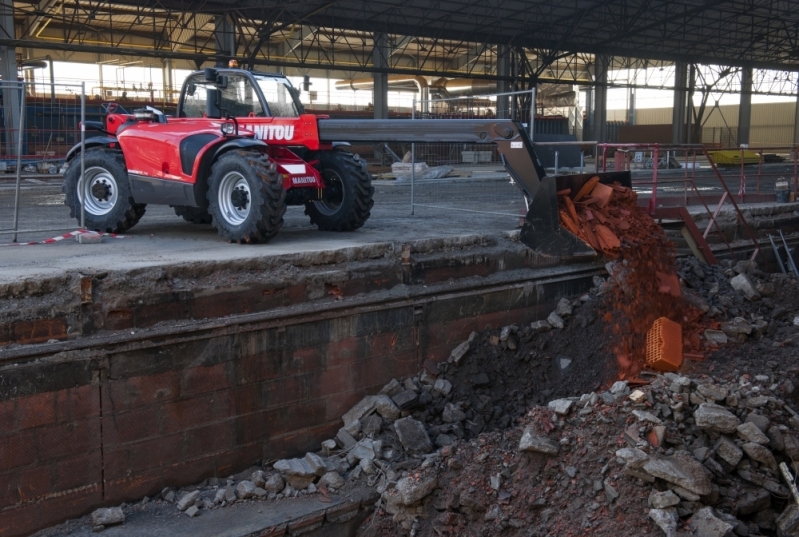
(245, 489)
(362, 450)
(331, 480)
(391, 389)
(642, 415)
(788, 521)
(258, 478)
(541, 326)
(744, 286)
(712, 392)
(704, 523)
(716, 336)
(364, 407)
(564, 308)
(110, 516)
(328, 445)
(537, 444)
(413, 489)
(753, 501)
(452, 414)
(192, 511)
(751, 433)
(638, 397)
(297, 472)
(555, 320)
(442, 386)
(716, 418)
(761, 454)
(686, 495)
(316, 464)
(386, 407)
(458, 353)
(405, 399)
(230, 494)
(682, 470)
(275, 484)
(561, 407)
(634, 458)
(662, 500)
(345, 439)
(413, 436)
(666, 519)
(728, 450)
(619, 387)
(188, 500)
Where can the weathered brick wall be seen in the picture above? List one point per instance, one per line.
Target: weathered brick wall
(98, 424)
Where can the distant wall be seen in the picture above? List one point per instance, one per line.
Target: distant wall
(772, 123)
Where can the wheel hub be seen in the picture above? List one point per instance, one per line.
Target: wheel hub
(101, 190)
(239, 198)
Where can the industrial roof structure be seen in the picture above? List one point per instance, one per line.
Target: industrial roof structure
(423, 34)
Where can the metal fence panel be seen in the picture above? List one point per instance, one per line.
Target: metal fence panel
(38, 126)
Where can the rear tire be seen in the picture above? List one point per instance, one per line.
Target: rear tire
(347, 197)
(193, 215)
(246, 199)
(110, 207)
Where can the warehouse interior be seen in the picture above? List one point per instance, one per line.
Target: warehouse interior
(362, 268)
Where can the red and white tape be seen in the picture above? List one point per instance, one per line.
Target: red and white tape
(62, 237)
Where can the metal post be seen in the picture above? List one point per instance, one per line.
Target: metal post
(413, 156)
(20, 140)
(532, 113)
(582, 161)
(556, 163)
(82, 155)
(653, 200)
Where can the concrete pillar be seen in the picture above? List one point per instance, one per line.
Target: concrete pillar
(796, 122)
(225, 39)
(504, 61)
(601, 98)
(679, 110)
(380, 55)
(168, 74)
(588, 133)
(631, 107)
(8, 71)
(745, 109)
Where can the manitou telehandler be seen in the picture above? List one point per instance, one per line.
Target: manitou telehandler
(241, 149)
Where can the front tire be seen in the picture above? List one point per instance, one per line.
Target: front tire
(347, 197)
(109, 206)
(246, 199)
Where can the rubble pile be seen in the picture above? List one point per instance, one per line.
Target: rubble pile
(524, 431)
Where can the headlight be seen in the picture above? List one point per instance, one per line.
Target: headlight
(228, 128)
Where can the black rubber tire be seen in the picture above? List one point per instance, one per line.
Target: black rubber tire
(344, 174)
(267, 198)
(193, 215)
(125, 212)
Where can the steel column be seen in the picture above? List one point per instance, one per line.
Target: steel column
(380, 56)
(745, 109)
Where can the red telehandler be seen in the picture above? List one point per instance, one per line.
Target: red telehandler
(241, 149)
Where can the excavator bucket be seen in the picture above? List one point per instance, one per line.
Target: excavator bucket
(542, 230)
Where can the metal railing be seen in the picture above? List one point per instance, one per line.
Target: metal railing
(471, 177)
(35, 135)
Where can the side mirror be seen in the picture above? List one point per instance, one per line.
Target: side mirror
(212, 104)
(221, 81)
(210, 74)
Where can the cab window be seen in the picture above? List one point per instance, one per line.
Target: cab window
(278, 97)
(239, 99)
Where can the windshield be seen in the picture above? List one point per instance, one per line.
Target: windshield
(278, 96)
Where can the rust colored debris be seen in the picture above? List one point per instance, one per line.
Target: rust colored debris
(608, 219)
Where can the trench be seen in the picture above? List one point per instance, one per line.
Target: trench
(120, 402)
